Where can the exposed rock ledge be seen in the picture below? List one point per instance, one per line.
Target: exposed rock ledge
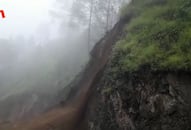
(143, 100)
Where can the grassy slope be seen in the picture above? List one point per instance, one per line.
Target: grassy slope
(159, 35)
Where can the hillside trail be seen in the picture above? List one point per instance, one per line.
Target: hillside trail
(72, 115)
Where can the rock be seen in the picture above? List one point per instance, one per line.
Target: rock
(156, 104)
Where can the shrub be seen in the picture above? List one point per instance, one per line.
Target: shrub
(159, 35)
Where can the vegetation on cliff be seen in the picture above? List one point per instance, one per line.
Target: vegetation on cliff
(146, 84)
(159, 35)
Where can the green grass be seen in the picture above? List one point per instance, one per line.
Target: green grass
(159, 35)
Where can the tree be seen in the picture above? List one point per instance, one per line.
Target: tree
(96, 15)
(90, 22)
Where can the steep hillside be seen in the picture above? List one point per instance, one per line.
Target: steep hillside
(147, 82)
(138, 78)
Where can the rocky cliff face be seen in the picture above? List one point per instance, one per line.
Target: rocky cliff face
(142, 100)
(147, 84)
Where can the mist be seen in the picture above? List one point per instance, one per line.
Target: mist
(44, 44)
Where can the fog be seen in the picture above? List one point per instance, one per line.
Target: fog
(23, 16)
(28, 26)
(44, 44)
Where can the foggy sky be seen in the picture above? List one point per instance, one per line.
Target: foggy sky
(28, 17)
